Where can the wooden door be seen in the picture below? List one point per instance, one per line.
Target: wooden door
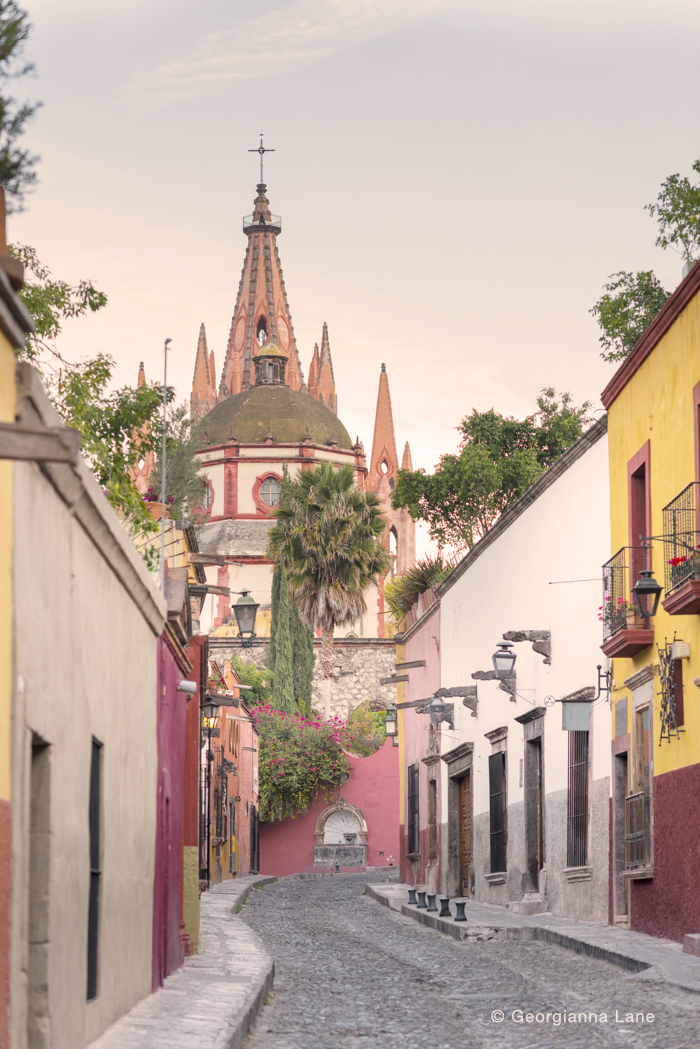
(465, 833)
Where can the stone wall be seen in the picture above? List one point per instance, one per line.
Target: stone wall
(359, 663)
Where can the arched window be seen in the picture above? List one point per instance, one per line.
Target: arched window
(207, 495)
(270, 371)
(261, 332)
(270, 491)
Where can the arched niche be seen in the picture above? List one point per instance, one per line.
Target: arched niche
(345, 807)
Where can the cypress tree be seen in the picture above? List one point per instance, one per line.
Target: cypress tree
(303, 657)
(274, 607)
(283, 687)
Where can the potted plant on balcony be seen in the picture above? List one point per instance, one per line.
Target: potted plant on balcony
(618, 615)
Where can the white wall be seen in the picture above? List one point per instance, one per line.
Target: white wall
(521, 582)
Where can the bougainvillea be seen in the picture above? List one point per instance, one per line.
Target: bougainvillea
(298, 758)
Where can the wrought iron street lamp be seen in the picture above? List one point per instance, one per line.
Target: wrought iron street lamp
(245, 610)
(437, 708)
(391, 725)
(646, 593)
(210, 710)
(504, 660)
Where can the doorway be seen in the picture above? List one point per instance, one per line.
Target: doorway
(534, 813)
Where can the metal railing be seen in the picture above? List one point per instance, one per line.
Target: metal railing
(637, 830)
(680, 538)
(252, 220)
(620, 574)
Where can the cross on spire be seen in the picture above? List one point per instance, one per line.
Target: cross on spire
(262, 151)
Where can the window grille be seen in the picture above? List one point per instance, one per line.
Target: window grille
(577, 821)
(497, 810)
(413, 814)
(680, 538)
(95, 871)
(637, 830)
(669, 692)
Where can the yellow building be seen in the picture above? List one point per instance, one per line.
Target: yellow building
(653, 404)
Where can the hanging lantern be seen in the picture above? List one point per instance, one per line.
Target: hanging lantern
(391, 726)
(437, 709)
(646, 593)
(504, 660)
(210, 711)
(245, 610)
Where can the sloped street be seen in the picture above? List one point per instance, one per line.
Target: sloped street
(351, 974)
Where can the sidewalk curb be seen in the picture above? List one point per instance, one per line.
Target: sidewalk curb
(534, 931)
(212, 1000)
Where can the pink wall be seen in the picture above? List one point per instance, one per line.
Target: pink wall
(422, 682)
(287, 846)
(167, 887)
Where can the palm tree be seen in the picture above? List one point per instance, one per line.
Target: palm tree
(328, 540)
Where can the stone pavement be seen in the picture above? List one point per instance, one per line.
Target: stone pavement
(212, 1001)
(633, 951)
(351, 974)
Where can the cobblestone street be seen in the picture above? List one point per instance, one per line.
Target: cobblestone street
(351, 974)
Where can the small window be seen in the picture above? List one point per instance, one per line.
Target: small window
(413, 813)
(270, 491)
(207, 496)
(678, 692)
(497, 811)
(95, 870)
(577, 823)
(261, 333)
(270, 371)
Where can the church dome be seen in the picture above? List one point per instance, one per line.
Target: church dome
(276, 409)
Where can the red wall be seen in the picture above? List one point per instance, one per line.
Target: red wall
(669, 903)
(5, 877)
(287, 846)
(167, 885)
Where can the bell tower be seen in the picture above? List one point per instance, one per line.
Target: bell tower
(262, 312)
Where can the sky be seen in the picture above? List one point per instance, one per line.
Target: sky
(456, 182)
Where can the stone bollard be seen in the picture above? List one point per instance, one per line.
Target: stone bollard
(421, 899)
(412, 896)
(444, 907)
(431, 897)
(460, 916)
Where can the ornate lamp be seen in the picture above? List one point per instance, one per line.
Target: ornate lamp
(391, 726)
(210, 711)
(646, 593)
(504, 660)
(436, 708)
(245, 610)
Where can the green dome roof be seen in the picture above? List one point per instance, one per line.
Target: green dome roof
(285, 413)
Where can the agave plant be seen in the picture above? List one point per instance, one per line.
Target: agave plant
(402, 592)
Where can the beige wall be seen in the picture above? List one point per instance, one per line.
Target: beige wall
(86, 627)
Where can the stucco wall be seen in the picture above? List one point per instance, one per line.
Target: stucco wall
(540, 573)
(7, 414)
(287, 846)
(167, 888)
(87, 620)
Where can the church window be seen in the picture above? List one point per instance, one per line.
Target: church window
(207, 496)
(270, 371)
(393, 542)
(384, 466)
(270, 491)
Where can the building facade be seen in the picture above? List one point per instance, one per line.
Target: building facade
(653, 404)
(87, 623)
(507, 802)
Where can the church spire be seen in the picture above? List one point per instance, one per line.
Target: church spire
(262, 311)
(321, 377)
(400, 535)
(384, 464)
(203, 396)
